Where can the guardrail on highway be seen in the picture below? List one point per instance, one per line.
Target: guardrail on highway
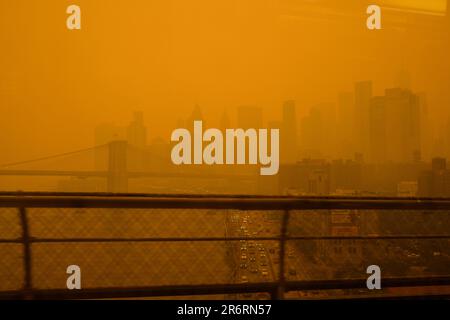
(35, 246)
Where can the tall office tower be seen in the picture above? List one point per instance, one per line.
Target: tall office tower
(345, 125)
(377, 130)
(328, 111)
(196, 115)
(225, 122)
(438, 145)
(363, 94)
(137, 132)
(426, 130)
(403, 125)
(394, 127)
(312, 134)
(249, 117)
(288, 133)
(446, 138)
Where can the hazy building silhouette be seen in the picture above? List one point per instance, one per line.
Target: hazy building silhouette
(225, 122)
(305, 177)
(312, 134)
(328, 111)
(196, 115)
(435, 182)
(249, 117)
(318, 132)
(289, 133)
(426, 132)
(345, 124)
(403, 119)
(319, 182)
(137, 132)
(407, 188)
(377, 130)
(363, 94)
(394, 127)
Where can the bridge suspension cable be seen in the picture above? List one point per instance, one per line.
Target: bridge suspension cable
(6, 165)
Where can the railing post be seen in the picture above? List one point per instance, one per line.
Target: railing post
(283, 235)
(26, 254)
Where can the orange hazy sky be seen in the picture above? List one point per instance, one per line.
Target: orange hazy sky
(165, 56)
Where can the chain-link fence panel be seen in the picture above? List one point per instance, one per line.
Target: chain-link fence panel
(11, 267)
(11, 262)
(125, 247)
(401, 243)
(10, 225)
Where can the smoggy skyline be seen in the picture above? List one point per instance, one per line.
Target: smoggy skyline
(163, 58)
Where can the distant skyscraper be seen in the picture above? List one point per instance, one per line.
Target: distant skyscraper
(318, 132)
(225, 121)
(403, 124)
(435, 182)
(426, 132)
(249, 117)
(288, 133)
(196, 115)
(377, 130)
(328, 111)
(312, 134)
(363, 94)
(394, 127)
(346, 125)
(137, 132)
(137, 138)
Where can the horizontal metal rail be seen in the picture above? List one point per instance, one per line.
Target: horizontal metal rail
(215, 202)
(220, 289)
(221, 239)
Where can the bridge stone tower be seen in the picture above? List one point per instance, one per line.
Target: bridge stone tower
(117, 180)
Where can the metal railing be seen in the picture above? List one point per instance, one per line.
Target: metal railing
(24, 202)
